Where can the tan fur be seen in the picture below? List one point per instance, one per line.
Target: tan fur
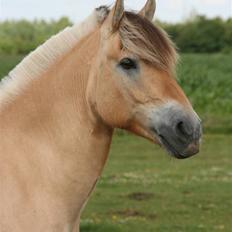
(49, 175)
(56, 132)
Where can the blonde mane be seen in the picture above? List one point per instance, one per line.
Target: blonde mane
(38, 62)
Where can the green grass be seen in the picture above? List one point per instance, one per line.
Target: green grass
(206, 79)
(143, 189)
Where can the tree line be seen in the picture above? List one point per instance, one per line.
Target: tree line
(21, 37)
(198, 35)
(202, 35)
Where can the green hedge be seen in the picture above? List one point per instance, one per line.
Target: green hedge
(199, 35)
(202, 35)
(20, 37)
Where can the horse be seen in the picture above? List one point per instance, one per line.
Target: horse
(59, 108)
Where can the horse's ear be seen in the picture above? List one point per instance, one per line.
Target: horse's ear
(116, 14)
(148, 10)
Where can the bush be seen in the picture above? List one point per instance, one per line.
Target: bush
(198, 35)
(21, 37)
(201, 35)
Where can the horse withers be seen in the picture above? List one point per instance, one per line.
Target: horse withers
(60, 106)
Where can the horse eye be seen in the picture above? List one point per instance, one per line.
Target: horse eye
(128, 64)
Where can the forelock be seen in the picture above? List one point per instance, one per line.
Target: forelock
(147, 41)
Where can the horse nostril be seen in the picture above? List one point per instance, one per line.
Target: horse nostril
(182, 129)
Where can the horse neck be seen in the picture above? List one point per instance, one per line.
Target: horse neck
(50, 123)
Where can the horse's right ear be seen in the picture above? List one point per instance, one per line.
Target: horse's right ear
(116, 15)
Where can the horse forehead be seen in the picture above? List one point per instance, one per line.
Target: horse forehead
(113, 47)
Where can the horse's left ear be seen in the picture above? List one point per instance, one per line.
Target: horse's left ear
(148, 10)
(116, 14)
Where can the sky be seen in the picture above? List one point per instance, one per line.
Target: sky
(77, 10)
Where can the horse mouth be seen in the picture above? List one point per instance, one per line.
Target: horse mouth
(168, 146)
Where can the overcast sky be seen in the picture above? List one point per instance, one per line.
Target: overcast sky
(167, 10)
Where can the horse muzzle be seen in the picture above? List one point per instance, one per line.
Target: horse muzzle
(177, 130)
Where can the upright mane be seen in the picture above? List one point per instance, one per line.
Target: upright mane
(46, 55)
(147, 41)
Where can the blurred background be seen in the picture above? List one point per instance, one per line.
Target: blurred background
(142, 189)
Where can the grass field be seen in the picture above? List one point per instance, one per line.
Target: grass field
(143, 189)
(206, 79)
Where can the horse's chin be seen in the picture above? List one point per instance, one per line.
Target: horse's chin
(144, 133)
(152, 136)
(191, 150)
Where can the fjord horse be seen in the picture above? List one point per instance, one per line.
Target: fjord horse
(60, 105)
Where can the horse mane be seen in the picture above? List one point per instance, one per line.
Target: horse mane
(38, 61)
(147, 41)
